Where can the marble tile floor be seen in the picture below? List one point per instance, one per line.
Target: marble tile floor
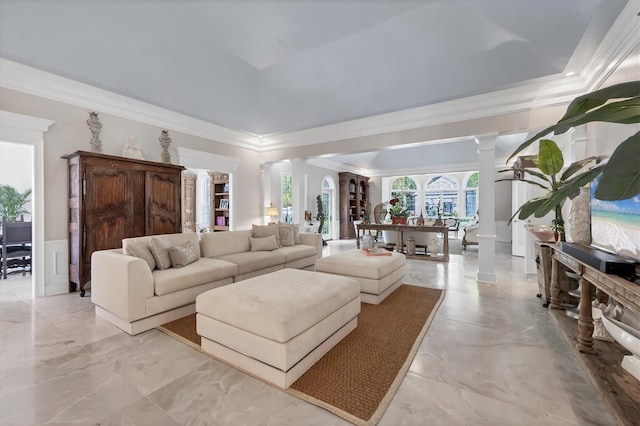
(492, 356)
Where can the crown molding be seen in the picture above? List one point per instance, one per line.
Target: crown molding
(22, 128)
(40, 83)
(542, 92)
(547, 91)
(330, 164)
(616, 45)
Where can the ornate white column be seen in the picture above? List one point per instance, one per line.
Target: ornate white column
(298, 182)
(265, 173)
(188, 202)
(487, 208)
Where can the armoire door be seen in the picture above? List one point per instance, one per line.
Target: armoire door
(163, 203)
(111, 207)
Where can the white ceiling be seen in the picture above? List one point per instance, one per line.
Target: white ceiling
(268, 67)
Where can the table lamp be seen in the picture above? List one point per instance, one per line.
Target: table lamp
(271, 212)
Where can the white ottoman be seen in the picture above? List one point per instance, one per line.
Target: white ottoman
(276, 326)
(378, 276)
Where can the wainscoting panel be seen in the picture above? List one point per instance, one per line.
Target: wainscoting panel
(56, 267)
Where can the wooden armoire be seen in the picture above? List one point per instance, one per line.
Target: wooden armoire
(111, 198)
(354, 197)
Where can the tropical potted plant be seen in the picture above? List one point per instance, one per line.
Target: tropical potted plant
(559, 186)
(620, 104)
(13, 202)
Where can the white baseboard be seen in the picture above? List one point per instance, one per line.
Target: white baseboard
(56, 267)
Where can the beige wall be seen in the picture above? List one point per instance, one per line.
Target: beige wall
(70, 133)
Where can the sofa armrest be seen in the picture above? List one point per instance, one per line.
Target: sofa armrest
(314, 240)
(121, 284)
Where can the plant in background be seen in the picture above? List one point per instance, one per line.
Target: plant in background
(621, 175)
(559, 186)
(397, 208)
(13, 202)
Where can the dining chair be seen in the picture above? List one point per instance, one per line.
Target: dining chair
(16, 246)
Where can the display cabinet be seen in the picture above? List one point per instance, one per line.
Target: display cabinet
(354, 199)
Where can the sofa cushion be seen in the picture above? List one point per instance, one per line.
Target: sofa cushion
(160, 250)
(254, 260)
(141, 249)
(263, 244)
(296, 234)
(183, 254)
(200, 272)
(297, 252)
(260, 231)
(285, 231)
(215, 244)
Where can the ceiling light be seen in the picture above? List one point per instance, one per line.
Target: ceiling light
(569, 74)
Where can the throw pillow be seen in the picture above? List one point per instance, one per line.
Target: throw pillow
(286, 235)
(264, 243)
(160, 251)
(142, 250)
(261, 231)
(296, 234)
(183, 255)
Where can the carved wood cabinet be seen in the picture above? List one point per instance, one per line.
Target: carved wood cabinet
(111, 198)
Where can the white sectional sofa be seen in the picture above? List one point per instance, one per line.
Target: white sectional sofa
(135, 294)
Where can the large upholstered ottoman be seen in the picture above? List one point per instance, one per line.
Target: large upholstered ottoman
(378, 276)
(276, 326)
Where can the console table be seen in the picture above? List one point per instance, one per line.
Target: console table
(401, 229)
(617, 287)
(619, 390)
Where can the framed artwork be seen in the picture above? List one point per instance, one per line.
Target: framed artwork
(224, 203)
(220, 221)
(225, 188)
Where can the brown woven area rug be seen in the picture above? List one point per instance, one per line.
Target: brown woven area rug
(357, 379)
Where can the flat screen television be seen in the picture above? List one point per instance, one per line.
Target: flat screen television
(615, 225)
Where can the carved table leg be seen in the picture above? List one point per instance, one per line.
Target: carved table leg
(585, 320)
(555, 286)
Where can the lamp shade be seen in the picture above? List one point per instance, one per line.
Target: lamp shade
(272, 211)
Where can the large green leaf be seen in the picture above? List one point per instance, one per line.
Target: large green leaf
(584, 103)
(532, 172)
(550, 160)
(570, 189)
(532, 182)
(528, 208)
(621, 175)
(576, 112)
(577, 165)
(623, 112)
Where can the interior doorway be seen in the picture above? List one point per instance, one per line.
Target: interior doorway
(28, 130)
(328, 192)
(16, 171)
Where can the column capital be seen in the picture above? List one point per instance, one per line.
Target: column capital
(486, 141)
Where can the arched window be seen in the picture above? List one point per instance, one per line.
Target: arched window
(441, 193)
(471, 195)
(405, 189)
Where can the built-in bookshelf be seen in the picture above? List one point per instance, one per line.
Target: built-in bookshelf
(220, 202)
